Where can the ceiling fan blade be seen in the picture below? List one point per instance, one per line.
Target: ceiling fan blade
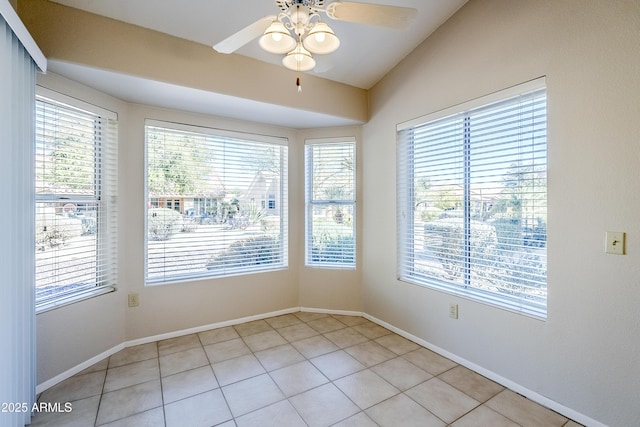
(372, 14)
(244, 36)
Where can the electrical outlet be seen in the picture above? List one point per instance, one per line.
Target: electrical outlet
(453, 311)
(134, 299)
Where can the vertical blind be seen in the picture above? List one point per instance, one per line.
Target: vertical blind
(330, 176)
(216, 203)
(472, 206)
(17, 313)
(76, 182)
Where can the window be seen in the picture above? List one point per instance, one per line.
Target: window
(205, 216)
(330, 203)
(75, 165)
(472, 200)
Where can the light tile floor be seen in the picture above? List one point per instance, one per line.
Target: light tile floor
(301, 369)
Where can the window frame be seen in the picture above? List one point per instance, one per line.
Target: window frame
(281, 207)
(104, 197)
(311, 202)
(406, 211)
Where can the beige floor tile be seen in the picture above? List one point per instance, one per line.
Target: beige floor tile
(358, 420)
(314, 346)
(83, 413)
(397, 344)
(306, 316)
(471, 383)
(297, 332)
(279, 357)
(213, 336)
(238, 369)
(282, 321)
(75, 388)
(336, 370)
(401, 373)
(344, 338)
(279, 414)
(337, 364)
(446, 402)
(250, 328)
(483, 416)
(183, 361)
(297, 378)
(133, 354)
(177, 344)
(129, 401)
(264, 340)
(370, 353)
(371, 330)
(323, 406)
(524, 411)
(326, 324)
(366, 388)
(225, 350)
(251, 394)
(188, 383)
(429, 361)
(202, 410)
(349, 320)
(131, 374)
(150, 418)
(401, 411)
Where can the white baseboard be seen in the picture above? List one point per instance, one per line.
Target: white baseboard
(210, 326)
(529, 394)
(78, 368)
(338, 312)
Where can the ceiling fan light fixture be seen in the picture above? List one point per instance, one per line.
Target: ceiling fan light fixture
(321, 39)
(299, 59)
(277, 39)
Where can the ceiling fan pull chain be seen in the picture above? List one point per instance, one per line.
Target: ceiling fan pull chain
(298, 84)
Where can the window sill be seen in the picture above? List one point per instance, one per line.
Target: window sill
(72, 299)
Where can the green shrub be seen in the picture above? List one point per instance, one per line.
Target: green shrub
(56, 232)
(334, 249)
(163, 222)
(262, 249)
(445, 237)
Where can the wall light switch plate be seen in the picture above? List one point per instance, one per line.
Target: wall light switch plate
(614, 242)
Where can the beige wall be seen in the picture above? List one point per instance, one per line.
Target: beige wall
(585, 355)
(330, 288)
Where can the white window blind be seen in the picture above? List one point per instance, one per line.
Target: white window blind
(76, 183)
(216, 203)
(472, 204)
(330, 172)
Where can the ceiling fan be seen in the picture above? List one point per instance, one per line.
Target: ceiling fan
(298, 31)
